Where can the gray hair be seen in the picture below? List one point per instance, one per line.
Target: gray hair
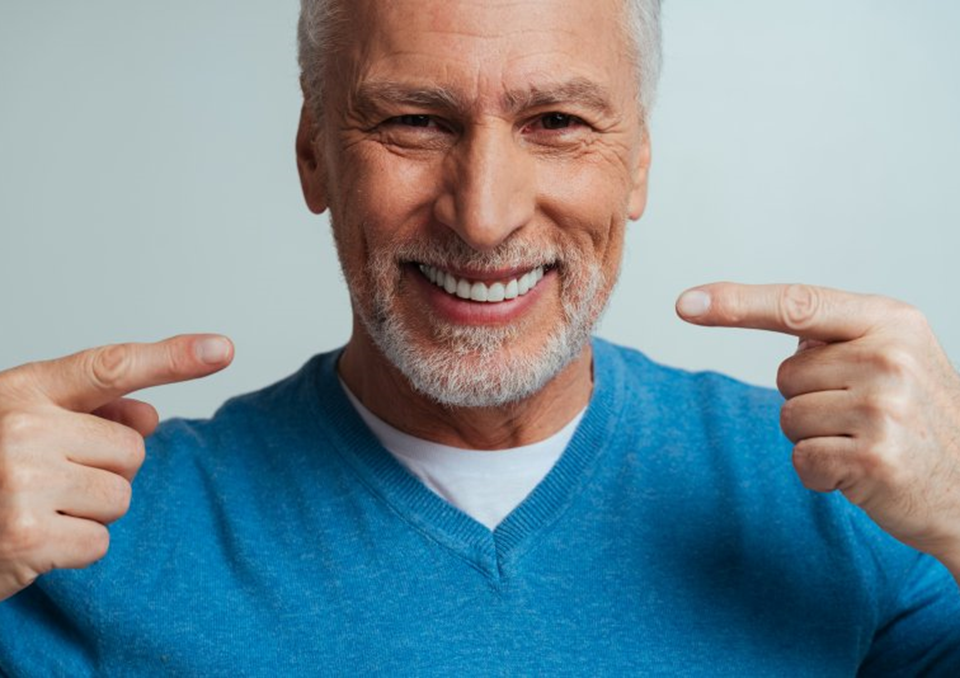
(321, 21)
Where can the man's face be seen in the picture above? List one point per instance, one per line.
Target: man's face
(476, 150)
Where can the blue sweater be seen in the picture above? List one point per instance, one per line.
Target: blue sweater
(672, 537)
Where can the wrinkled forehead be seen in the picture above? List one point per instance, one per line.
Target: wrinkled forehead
(483, 48)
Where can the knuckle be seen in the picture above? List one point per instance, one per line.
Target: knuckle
(726, 304)
(131, 448)
(137, 451)
(910, 316)
(887, 408)
(21, 533)
(23, 577)
(884, 465)
(808, 465)
(806, 456)
(788, 419)
(116, 494)
(812, 482)
(98, 544)
(802, 459)
(16, 478)
(799, 306)
(785, 377)
(727, 312)
(17, 427)
(124, 496)
(109, 365)
(18, 381)
(895, 361)
(177, 358)
(819, 470)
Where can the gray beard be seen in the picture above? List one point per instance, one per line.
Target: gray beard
(472, 366)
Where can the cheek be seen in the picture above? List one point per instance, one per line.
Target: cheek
(381, 198)
(386, 188)
(588, 201)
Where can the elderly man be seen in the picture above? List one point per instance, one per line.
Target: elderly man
(472, 484)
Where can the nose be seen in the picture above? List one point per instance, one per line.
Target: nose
(490, 190)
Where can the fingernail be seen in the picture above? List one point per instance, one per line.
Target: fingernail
(213, 350)
(807, 344)
(693, 303)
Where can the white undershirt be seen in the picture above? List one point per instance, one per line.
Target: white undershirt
(486, 485)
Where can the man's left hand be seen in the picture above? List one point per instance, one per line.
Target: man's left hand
(872, 402)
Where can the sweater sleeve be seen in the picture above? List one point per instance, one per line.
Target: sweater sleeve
(921, 633)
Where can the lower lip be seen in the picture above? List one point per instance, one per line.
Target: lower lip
(459, 311)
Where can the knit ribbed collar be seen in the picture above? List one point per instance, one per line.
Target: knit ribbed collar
(496, 553)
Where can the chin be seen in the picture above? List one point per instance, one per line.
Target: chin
(484, 367)
(479, 367)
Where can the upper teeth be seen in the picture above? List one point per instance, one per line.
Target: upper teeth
(478, 291)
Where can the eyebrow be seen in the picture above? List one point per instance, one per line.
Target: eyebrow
(376, 95)
(578, 91)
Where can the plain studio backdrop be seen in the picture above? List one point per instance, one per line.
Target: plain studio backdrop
(148, 184)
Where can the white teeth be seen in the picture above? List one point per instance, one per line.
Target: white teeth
(524, 284)
(481, 292)
(478, 292)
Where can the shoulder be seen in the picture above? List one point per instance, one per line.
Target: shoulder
(245, 420)
(715, 448)
(253, 447)
(694, 402)
(202, 475)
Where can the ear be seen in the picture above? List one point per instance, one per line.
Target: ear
(310, 164)
(637, 201)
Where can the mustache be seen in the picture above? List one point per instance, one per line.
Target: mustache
(455, 253)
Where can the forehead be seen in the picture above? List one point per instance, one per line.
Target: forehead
(483, 48)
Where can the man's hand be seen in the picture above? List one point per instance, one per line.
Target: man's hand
(70, 445)
(873, 403)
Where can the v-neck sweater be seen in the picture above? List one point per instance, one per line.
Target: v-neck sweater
(671, 537)
(485, 484)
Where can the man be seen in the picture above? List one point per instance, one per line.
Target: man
(480, 162)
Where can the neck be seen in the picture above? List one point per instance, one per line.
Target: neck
(388, 394)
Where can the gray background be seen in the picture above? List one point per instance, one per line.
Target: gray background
(148, 185)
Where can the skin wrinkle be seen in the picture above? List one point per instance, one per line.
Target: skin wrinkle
(373, 98)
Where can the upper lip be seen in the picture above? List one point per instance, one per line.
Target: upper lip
(488, 275)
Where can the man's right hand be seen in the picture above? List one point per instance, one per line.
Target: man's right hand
(71, 444)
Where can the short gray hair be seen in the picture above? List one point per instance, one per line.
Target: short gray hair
(322, 21)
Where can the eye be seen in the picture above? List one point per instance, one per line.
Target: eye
(553, 121)
(412, 120)
(415, 131)
(415, 121)
(556, 124)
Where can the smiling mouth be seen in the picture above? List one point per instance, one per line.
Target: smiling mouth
(491, 292)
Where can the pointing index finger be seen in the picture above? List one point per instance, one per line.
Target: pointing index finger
(802, 310)
(90, 379)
